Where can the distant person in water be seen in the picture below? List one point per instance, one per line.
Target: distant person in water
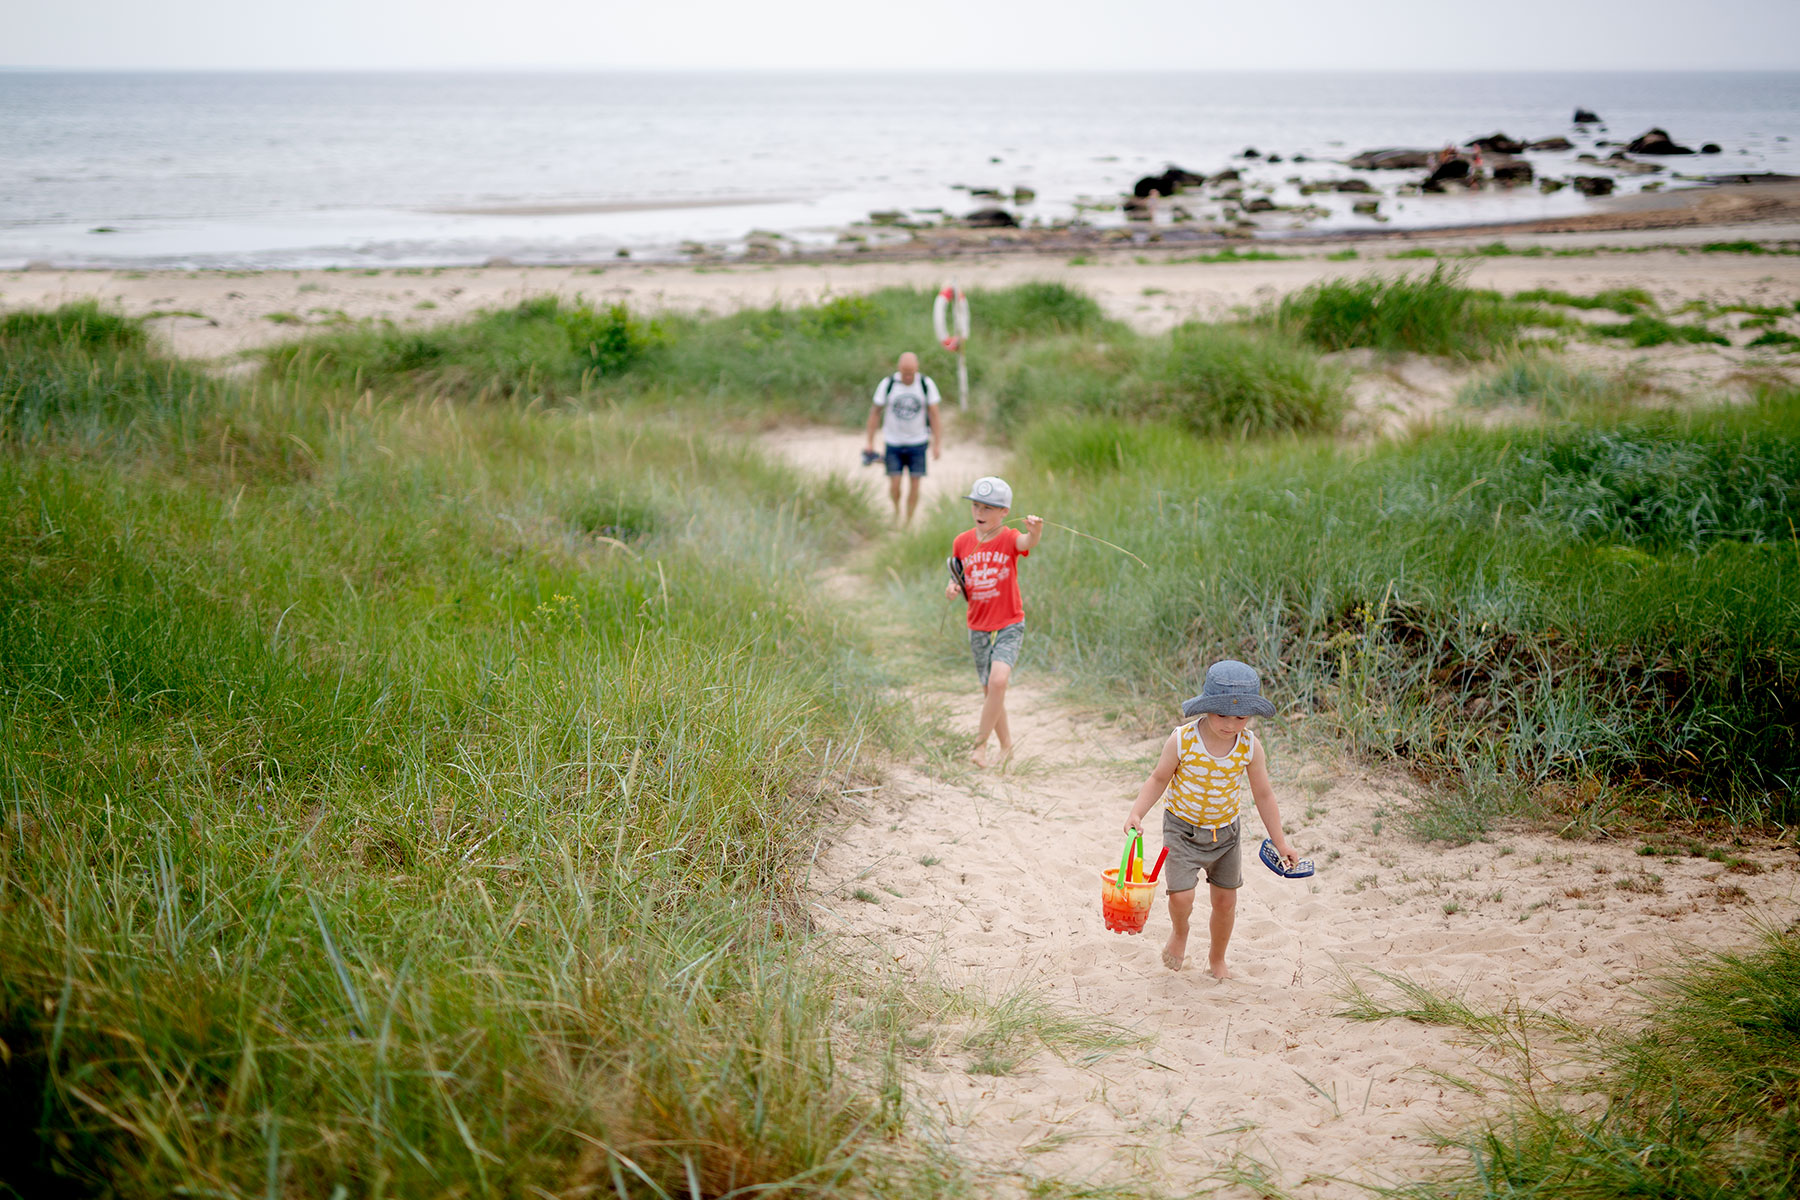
(906, 412)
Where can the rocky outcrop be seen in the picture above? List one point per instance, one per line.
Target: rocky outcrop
(1250, 152)
(1552, 143)
(1259, 204)
(1168, 183)
(1450, 170)
(1625, 166)
(1547, 185)
(1229, 175)
(1586, 116)
(1361, 186)
(1513, 170)
(1496, 143)
(1592, 185)
(991, 218)
(1656, 141)
(1391, 160)
(1711, 148)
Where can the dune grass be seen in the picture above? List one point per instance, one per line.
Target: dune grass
(1542, 382)
(1419, 314)
(1590, 614)
(1699, 1102)
(409, 798)
(1045, 348)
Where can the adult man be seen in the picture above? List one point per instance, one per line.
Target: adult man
(906, 412)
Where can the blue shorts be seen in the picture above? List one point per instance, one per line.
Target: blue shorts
(907, 458)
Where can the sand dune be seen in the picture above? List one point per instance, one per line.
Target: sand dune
(989, 882)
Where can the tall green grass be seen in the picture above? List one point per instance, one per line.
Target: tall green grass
(1521, 609)
(1042, 347)
(1419, 314)
(422, 815)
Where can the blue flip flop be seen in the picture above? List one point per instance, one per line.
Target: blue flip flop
(1300, 870)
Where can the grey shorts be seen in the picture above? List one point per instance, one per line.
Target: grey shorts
(999, 645)
(1192, 850)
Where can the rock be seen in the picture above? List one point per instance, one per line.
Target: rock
(1552, 143)
(1548, 185)
(1274, 158)
(1584, 116)
(1711, 148)
(1301, 158)
(1226, 176)
(1496, 143)
(1250, 152)
(1449, 169)
(1259, 204)
(1360, 186)
(1515, 170)
(986, 193)
(1625, 166)
(1168, 183)
(1367, 208)
(1391, 160)
(991, 218)
(1656, 141)
(887, 217)
(1593, 185)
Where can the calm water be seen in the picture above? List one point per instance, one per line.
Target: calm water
(290, 170)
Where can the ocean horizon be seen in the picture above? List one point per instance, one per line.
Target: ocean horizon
(293, 169)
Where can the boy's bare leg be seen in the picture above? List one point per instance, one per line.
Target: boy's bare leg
(993, 715)
(1224, 917)
(912, 498)
(894, 495)
(1181, 907)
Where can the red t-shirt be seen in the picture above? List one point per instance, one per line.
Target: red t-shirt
(991, 574)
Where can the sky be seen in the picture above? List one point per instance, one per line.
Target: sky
(913, 34)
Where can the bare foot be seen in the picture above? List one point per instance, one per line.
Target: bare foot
(1174, 954)
(1219, 970)
(1006, 753)
(979, 757)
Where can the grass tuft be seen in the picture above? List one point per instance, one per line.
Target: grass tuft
(1420, 314)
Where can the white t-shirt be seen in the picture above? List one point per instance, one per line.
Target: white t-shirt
(903, 424)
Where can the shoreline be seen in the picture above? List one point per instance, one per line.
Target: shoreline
(221, 315)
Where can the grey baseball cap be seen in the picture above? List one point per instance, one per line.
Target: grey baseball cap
(1232, 689)
(991, 489)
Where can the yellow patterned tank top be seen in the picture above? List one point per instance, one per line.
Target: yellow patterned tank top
(1206, 790)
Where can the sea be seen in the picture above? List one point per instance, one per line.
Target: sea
(247, 171)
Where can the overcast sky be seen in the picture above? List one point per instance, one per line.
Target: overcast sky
(905, 35)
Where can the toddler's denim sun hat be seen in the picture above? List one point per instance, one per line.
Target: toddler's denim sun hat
(1232, 689)
(991, 489)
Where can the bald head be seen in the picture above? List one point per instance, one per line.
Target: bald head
(909, 367)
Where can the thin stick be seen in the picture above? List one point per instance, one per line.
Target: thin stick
(1090, 537)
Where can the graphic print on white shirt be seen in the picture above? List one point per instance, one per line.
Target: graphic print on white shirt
(904, 404)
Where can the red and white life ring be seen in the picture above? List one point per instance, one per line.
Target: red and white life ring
(951, 308)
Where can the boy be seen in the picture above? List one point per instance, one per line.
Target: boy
(1202, 769)
(987, 558)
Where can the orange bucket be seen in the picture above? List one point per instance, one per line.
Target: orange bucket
(1126, 906)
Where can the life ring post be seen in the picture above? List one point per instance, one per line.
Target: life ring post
(950, 321)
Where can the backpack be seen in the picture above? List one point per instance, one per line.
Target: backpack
(925, 386)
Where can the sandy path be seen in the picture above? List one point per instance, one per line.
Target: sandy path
(989, 882)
